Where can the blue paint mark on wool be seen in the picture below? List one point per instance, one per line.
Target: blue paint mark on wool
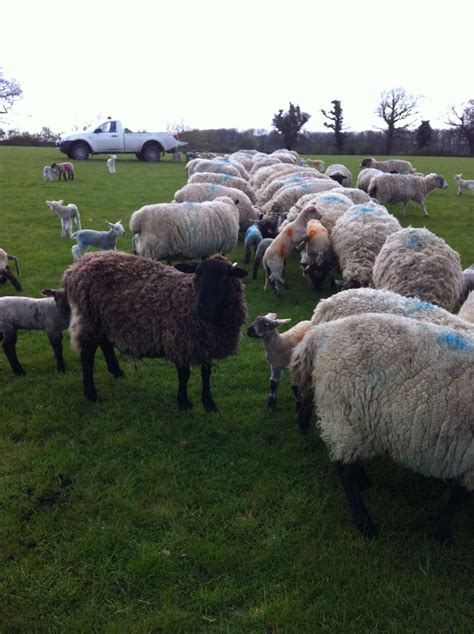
(190, 205)
(226, 177)
(418, 306)
(332, 198)
(215, 189)
(415, 240)
(454, 341)
(364, 209)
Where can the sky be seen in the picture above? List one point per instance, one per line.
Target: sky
(226, 64)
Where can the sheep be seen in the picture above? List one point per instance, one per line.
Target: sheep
(463, 184)
(64, 169)
(318, 258)
(331, 205)
(49, 313)
(5, 273)
(357, 196)
(225, 179)
(216, 167)
(418, 263)
(283, 244)
(263, 176)
(104, 240)
(400, 188)
(340, 174)
(278, 347)
(148, 309)
(468, 283)
(253, 237)
(316, 163)
(111, 164)
(201, 192)
(466, 311)
(357, 237)
(393, 166)
(185, 230)
(365, 176)
(48, 173)
(176, 156)
(259, 253)
(276, 185)
(227, 160)
(288, 196)
(389, 385)
(67, 214)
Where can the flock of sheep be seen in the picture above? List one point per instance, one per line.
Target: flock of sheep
(388, 367)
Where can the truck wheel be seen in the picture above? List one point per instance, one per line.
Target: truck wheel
(79, 152)
(151, 153)
(139, 156)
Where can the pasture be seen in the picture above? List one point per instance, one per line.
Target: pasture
(128, 515)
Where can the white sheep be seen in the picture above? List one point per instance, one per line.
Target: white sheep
(392, 166)
(201, 192)
(466, 311)
(365, 176)
(48, 173)
(104, 240)
(463, 184)
(259, 253)
(50, 314)
(387, 385)
(111, 164)
(263, 176)
(468, 283)
(288, 196)
(215, 166)
(417, 263)
(185, 230)
(401, 188)
(5, 273)
(279, 347)
(339, 173)
(331, 206)
(253, 237)
(357, 238)
(275, 185)
(67, 214)
(225, 179)
(318, 259)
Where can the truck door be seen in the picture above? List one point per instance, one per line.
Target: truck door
(107, 138)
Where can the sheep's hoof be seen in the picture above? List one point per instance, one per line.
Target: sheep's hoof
(18, 370)
(184, 403)
(368, 530)
(91, 396)
(442, 533)
(271, 402)
(210, 406)
(118, 374)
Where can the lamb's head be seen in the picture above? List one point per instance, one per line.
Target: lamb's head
(213, 279)
(264, 325)
(117, 228)
(457, 177)
(54, 204)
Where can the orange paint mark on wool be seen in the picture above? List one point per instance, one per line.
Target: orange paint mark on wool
(289, 232)
(282, 251)
(312, 231)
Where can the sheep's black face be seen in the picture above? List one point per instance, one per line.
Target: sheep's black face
(213, 279)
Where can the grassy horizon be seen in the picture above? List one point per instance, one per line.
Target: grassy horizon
(128, 515)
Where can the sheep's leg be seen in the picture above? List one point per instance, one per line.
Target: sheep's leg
(404, 208)
(55, 339)
(350, 476)
(206, 397)
(425, 211)
(297, 394)
(9, 348)
(274, 379)
(9, 275)
(184, 373)
(305, 409)
(87, 363)
(110, 359)
(442, 524)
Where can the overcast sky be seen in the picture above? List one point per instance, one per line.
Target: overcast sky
(229, 64)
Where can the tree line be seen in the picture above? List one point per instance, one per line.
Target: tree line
(396, 108)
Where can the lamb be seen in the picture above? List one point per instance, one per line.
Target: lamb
(418, 263)
(259, 253)
(225, 179)
(463, 184)
(283, 244)
(5, 273)
(185, 230)
(393, 166)
(278, 346)
(400, 188)
(318, 258)
(48, 173)
(390, 385)
(201, 192)
(316, 163)
(253, 237)
(104, 240)
(365, 176)
(111, 164)
(468, 283)
(331, 205)
(339, 173)
(66, 170)
(67, 214)
(148, 309)
(357, 238)
(50, 314)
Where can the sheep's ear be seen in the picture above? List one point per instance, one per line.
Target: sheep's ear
(186, 267)
(280, 322)
(238, 272)
(48, 292)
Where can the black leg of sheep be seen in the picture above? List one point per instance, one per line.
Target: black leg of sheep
(442, 524)
(206, 397)
(9, 347)
(184, 373)
(87, 364)
(110, 359)
(56, 341)
(350, 475)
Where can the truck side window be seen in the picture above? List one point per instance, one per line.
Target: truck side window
(113, 126)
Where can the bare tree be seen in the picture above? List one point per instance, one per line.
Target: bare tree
(10, 93)
(395, 107)
(336, 124)
(464, 123)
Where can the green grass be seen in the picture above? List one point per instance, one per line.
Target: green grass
(130, 516)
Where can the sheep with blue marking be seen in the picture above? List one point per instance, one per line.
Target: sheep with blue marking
(187, 230)
(288, 196)
(103, 240)
(253, 237)
(226, 180)
(365, 176)
(357, 238)
(417, 263)
(387, 385)
(276, 185)
(199, 165)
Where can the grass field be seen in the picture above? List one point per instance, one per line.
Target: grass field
(128, 515)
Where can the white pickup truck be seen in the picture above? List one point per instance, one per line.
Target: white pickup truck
(109, 137)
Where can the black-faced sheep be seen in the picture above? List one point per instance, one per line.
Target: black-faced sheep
(148, 309)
